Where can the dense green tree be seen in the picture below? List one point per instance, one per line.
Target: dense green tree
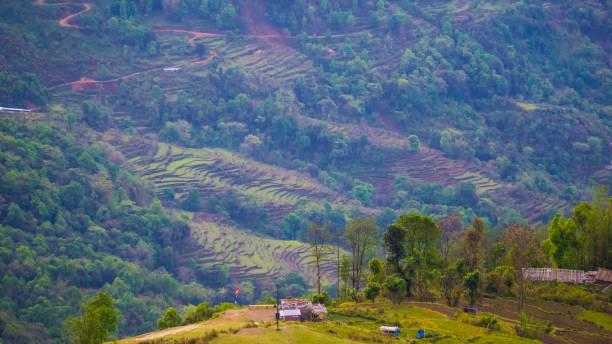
(422, 258)
(15, 216)
(362, 192)
(192, 201)
(563, 248)
(395, 287)
(98, 321)
(171, 319)
(414, 142)
(394, 237)
(202, 312)
(472, 283)
(372, 290)
(377, 270)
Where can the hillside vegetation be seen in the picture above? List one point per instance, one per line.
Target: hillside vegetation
(165, 187)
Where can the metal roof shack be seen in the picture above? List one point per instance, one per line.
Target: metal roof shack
(304, 305)
(319, 311)
(604, 275)
(296, 304)
(291, 314)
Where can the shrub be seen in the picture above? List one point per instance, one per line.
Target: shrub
(500, 281)
(523, 330)
(489, 321)
(170, 319)
(395, 287)
(372, 290)
(201, 313)
(572, 295)
(322, 298)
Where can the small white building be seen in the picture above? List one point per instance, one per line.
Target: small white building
(7, 109)
(290, 314)
(172, 69)
(390, 330)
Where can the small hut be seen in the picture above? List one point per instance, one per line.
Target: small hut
(291, 314)
(390, 330)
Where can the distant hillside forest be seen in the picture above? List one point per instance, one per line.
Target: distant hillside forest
(280, 114)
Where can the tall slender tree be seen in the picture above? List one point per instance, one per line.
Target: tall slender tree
(522, 252)
(394, 238)
(450, 227)
(422, 258)
(318, 238)
(360, 235)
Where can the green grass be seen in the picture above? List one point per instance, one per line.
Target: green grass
(600, 319)
(353, 324)
(413, 318)
(293, 333)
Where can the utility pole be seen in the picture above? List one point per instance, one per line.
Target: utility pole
(277, 302)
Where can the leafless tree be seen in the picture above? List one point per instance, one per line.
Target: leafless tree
(522, 249)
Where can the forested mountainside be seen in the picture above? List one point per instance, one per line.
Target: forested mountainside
(178, 148)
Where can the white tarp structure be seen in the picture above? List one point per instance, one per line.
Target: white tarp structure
(390, 329)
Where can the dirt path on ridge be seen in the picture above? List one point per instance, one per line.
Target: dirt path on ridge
(256, 315)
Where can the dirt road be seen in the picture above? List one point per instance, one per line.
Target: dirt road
(195, 34)
(257, 315)
(64, 21)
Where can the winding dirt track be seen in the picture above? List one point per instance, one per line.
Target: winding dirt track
(64, 21)
(195, 34)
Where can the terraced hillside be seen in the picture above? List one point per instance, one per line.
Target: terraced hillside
(431, 166)
(250, 52)
(213, 170)
(251, 257)
(265, 53)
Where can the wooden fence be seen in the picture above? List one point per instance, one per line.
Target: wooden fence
(547, 274)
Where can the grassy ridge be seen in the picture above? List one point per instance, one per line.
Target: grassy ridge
(348, 324)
